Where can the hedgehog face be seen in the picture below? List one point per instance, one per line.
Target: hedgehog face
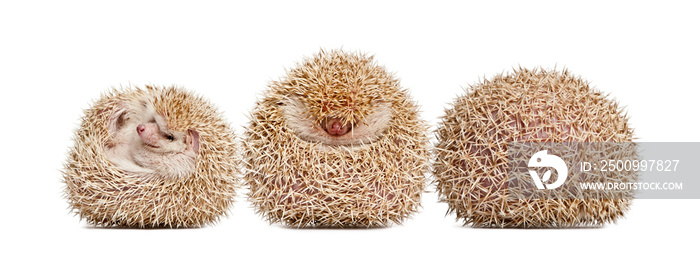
(168, 153)
(158, 138)
(143, 142)
(335, 130)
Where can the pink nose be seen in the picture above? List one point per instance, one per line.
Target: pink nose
(140, 128)
(337, 128)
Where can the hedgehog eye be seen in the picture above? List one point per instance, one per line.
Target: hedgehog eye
(170, 137)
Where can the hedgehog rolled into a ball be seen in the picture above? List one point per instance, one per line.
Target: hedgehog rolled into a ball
(152, 157)
(473, 166)
(336, 143)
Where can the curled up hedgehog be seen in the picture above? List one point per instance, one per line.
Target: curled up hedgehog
(336, 143)
(536, 107)
(152, 157)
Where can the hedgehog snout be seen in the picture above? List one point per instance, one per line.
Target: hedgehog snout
(334, 126)
(141, 128)
(149, 133)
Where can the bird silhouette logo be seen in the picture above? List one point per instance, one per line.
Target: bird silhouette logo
(542, 159)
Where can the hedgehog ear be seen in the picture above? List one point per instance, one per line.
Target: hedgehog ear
(192, 140)
(117, 119)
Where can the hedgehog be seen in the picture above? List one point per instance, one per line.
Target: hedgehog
(152, 157)
(536, 106)
(336, 143)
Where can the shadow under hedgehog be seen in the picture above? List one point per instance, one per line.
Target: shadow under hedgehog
(336, 143)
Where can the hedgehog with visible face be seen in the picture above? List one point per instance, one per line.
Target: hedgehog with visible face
(152, 157)
(336, 143)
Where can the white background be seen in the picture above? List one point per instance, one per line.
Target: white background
(56, 57)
